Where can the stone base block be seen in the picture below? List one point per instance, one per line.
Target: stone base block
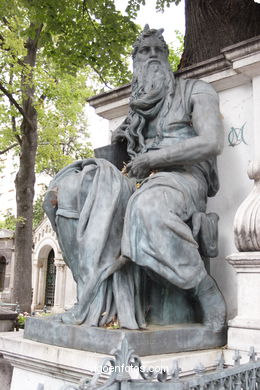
(153, 341)
(7, 320)
(36, 363)
(6, 325)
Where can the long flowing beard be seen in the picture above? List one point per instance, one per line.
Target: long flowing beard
(153, 83)
(151, 77)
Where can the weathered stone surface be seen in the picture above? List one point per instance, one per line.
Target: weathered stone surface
(6, 371)
(153, 341)
(244, 329)
(7, 320)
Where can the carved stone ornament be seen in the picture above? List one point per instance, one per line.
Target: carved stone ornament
(247, 219)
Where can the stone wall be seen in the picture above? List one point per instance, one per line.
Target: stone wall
(7, 259)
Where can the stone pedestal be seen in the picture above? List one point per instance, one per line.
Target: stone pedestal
(244, 329)
(155, 340)
(7, 320)
(53, 367)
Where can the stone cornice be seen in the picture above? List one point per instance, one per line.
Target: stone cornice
(242, 49)
(110, 96)
(205, 68)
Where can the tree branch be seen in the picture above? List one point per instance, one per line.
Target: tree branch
(13, 120)
(85, 9)
(14, 102)
(8, 148)
(101, 77)
(14, 130)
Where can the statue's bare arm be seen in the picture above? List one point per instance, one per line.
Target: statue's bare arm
(208, 126)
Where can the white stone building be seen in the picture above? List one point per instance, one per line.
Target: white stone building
(53, 285)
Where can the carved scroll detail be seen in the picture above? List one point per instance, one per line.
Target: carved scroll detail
(247, 218)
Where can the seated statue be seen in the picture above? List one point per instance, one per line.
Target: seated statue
(125, 234)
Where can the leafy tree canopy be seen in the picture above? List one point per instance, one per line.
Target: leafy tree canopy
(73, 34)
(77, 42)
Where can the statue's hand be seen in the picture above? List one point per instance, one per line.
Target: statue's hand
(116, 137)
(139, 167)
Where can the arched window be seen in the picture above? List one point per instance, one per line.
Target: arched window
(3, 263)
(50, 280)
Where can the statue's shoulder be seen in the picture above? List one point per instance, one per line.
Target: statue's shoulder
(195, 86)
(189, 89)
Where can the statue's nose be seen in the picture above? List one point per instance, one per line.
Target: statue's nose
(153, 52)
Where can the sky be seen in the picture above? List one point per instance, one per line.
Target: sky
(172, 19)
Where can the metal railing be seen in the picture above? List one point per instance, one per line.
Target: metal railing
(223, 377)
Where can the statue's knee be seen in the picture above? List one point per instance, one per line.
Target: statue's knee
(205, 231)
(147, 201)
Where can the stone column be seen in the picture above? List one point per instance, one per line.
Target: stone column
(35, 286)
(244, 329)
(59, 286)
(42, 283)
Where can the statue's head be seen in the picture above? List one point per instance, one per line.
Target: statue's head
(151, 67)
(150, 43)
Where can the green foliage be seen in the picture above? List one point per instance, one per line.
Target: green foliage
(21, 319)
(38, 212)
(134, 5)
(63, 135)
(78, 41)
(175, 50)
(97, 36)
(9, 221)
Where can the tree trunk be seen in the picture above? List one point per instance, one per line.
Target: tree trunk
(24, 184)
(212, 25)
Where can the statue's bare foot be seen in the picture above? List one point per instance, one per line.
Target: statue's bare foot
(66, 317)
(55, 317)
(212, 304)
(70, 316)
(215, 323)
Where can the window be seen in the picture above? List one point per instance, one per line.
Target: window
(50, 280)
(3, 263)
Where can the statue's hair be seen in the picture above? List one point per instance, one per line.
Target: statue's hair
(146, 33)
(132, 127)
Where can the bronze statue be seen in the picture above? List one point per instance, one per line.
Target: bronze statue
(124, 235)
